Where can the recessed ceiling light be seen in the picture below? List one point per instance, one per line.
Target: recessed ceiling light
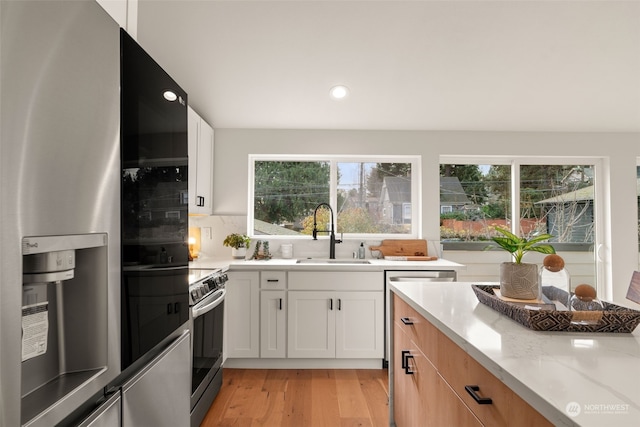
(170, 95)
(339, 92)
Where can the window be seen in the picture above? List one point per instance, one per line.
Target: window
(550, 198)
(368, 195)
(446, 209)
(474, 198)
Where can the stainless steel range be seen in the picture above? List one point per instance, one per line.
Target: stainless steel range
(206, 297)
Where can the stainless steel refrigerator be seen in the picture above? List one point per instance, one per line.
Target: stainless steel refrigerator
(60, 213)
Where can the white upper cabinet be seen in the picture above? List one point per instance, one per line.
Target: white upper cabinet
(200, 135)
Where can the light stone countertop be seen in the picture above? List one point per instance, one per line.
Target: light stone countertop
(597, 373)
(281, 263)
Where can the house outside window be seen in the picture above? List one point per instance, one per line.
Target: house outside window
(369, 195)
(549, 197)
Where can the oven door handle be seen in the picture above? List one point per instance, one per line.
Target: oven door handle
(199, 310)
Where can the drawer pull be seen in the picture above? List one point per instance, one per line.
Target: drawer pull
(406, 321)
(404, 358)
(407, 369)
(471, 389)
(272, 280)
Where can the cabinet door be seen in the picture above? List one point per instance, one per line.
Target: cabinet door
(200, 139)
(360, 325)
(311, 324)
(242, 314)
(204, 173)
(421, 397)
(272, 324)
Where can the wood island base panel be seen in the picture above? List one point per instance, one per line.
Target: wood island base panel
(436, 383)
(456, 361)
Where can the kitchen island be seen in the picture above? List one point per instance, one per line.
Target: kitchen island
(571, 379)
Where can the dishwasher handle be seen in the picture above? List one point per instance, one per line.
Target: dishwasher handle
(436, 277)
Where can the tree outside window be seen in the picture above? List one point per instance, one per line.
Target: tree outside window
(368, 197)
(554, 199)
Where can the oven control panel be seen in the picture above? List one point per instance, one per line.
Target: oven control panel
(208, 282)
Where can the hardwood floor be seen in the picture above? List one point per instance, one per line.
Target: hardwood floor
(301, 398)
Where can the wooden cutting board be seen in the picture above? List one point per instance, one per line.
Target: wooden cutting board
(400, 247)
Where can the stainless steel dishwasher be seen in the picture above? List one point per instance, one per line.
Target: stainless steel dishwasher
(391, 276)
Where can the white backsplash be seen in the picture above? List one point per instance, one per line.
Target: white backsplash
(303, 247)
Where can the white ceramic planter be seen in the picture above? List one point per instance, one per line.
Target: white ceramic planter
(239, 253)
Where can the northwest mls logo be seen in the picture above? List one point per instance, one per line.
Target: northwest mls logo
(573, 409)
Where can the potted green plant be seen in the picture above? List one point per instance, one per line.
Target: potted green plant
(517, 279)
(239, 243)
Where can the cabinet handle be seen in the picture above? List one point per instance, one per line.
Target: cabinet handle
(169, 308)
(471, 389)
(407, 369)
(176, 307)
(406, 321)
(404, 358)
(339, 304)
(272, 280)
(280, 304)
(330, 303)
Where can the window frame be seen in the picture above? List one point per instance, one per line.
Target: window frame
(333, 160)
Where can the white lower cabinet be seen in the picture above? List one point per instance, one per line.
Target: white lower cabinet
(360, 325)
(335, 324)
(273, 328)
(311, 325)
(242, 314)
(277, 314)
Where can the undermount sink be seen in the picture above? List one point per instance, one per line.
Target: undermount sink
(332, 261)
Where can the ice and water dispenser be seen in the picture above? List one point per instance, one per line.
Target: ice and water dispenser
(64, 319)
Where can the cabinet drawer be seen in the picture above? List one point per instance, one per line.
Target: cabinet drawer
(417, 328)
(408, 408)
(425, 398)
(459, 369)
(336, 281)
(273, 280)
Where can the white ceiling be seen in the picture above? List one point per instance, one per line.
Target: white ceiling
(410, 65)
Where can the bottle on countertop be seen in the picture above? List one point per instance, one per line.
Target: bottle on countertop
(361, 251)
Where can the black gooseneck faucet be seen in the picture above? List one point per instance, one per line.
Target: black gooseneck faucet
(332, 235)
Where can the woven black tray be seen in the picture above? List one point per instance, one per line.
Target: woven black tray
(613, 318)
